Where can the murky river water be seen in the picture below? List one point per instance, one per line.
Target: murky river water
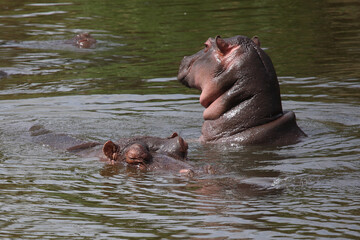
(127, 86)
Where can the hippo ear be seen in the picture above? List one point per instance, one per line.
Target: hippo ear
(223, 46)
(256, 40)
(174, 135)
(109, 149)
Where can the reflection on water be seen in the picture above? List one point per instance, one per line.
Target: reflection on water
(127, 86)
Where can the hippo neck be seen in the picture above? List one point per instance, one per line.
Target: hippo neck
(282, 130)
(248, 113)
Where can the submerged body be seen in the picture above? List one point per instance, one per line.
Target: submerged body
(241, 94)
(3, 74)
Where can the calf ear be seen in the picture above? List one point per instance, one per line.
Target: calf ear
(256, 40)
(222, 46)
(109, 149)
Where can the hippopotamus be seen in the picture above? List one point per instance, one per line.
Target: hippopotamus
(82, 40)
(150, 153)
(143, 153)
(240, 93)
(3, 74)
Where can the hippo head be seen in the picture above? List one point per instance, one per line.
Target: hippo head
(82, 40)
(135, 154)
(238, 84)
(142, 151)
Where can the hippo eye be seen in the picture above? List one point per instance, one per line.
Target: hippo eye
(206, 47)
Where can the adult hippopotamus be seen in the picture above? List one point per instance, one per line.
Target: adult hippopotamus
(240, 91)
(82, 40)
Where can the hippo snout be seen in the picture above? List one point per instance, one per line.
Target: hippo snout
(184, 70)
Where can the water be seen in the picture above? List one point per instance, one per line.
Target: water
(127, 86)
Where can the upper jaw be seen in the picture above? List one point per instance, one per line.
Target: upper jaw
(182, 78)
(184, 70)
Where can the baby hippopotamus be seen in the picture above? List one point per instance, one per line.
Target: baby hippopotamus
(82, 40)
(240, 93)
(142, 153)
(150, 153)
